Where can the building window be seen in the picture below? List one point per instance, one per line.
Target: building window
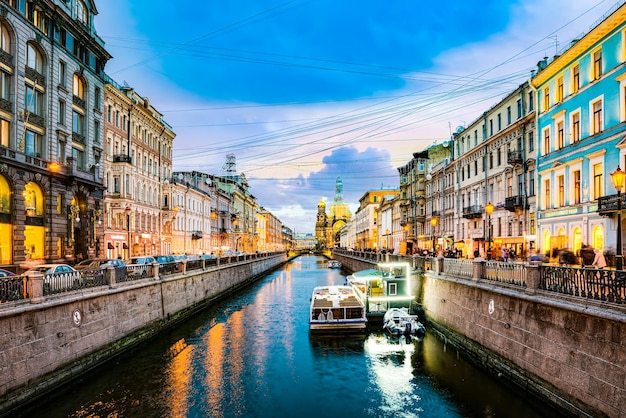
(33, 144)
(598, 189)
(5, 85)
(499, 155)
(34, 100)
(547, 203)
(79, 157)
(596, 120)
(61, 118)
(37, 17)
(575, 127)
(34, 59)
(575, 79)
(546, 141)
(78, 123)
(491, 160)
(560, 135)
(559, 89)
(519, 108)
(490, 127)
(531, 141)
(5, 128)
(546, 99)
(531, 183)
(561, 182)
(597, 64)
(81, 12)
(78, 87)
(508, 115)
(577, 187)
(5, 39)
(96, 132)
(62, 74)
(531, 101)
(96, 98)
(499, 122)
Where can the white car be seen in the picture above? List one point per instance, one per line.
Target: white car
(57, 277)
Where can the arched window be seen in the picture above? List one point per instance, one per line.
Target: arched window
(6, 228)
(81, 12)
(597, 239)
(546, 241)
(34, 59)
(5, 39)
(78, 87)
(577, 241)
(34, 231)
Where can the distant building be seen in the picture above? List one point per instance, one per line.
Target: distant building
(365, 217)
(328, 224)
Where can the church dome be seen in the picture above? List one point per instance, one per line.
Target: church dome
(321, 204)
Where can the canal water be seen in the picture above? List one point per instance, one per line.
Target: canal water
(252, 356)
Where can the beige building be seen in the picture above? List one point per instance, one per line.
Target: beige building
(137, 161)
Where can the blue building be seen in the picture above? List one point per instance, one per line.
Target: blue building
(581, 137)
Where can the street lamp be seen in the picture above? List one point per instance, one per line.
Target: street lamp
(433, 222)
(618, 177)
(489, 211)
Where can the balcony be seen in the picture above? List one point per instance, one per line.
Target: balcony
(196, 235)
(607, 205)
(122, 158)
(473, 212)
(514, 203)
(514, 157)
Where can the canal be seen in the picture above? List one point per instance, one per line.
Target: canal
(252, 356)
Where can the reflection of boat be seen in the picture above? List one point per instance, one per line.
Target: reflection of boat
(336, 309)
(397, 322)
(334, 264)
(380, 289)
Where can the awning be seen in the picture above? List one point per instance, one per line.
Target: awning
(125, 246)
(110, 246)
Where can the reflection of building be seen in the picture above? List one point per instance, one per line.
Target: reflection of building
(50, 131)
(137, 158)
(327, 225)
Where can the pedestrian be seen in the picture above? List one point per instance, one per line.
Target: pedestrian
(598, 261)
(505, 255)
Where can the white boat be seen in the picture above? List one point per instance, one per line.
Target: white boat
(397, 322)
(334, 264)
(336, 309)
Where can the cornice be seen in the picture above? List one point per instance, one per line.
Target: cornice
(587, 42)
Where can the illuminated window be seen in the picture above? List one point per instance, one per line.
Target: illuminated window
(78, 87)
(559, 89)
(596, 119)
(577, 187)
(561, 183)
(547, 197)
(575, 127)
(6, 228)
(560, 135)
(34, 231)
(598, 189)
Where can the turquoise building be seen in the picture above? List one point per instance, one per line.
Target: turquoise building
(581, 137)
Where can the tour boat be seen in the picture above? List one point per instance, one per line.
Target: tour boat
(397, 322)
(334, 264)
(336, 309)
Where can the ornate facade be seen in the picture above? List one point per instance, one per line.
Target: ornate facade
(327, 225)
(51, 101)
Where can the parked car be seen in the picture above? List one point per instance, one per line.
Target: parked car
(168, 264)
(141, 260)
(6, 273)
(57, 277)
(99, 263)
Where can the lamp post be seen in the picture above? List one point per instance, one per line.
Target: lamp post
(489, 211)
(618, 177)
(433, 223)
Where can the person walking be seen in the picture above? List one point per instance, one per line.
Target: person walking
(598, 261)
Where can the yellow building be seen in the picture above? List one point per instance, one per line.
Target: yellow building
(328, 224)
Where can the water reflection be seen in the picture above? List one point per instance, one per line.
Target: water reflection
(252, 356)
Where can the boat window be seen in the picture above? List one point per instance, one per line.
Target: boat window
(393, 289)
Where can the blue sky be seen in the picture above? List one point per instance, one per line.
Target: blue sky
(304, 91)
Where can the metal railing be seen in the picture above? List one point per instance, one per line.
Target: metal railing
(17, 288)
(605, 285)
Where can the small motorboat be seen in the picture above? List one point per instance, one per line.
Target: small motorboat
(334, 264)
(398, 322)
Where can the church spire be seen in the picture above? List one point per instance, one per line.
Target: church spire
(339, 190)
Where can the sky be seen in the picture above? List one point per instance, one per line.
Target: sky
(305, 91)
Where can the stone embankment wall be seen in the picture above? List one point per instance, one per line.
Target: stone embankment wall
(569, 351)
(47, 343)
